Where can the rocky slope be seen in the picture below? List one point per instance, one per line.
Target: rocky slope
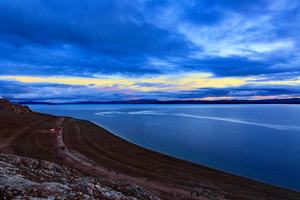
(26, 178)
(7, 105)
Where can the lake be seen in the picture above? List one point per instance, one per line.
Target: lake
(261, 142)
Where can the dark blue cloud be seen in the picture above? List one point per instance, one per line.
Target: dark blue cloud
(9, 88)
(230, 66)
(239, 92)
(207, 12)
(87, 37)
(98, 36)
(91, 38)
(257, 27)
(15, 90)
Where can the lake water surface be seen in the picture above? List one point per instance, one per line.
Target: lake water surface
(261, 142)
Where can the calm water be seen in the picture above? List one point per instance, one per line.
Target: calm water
(261, 142)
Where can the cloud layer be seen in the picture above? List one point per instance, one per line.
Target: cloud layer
(147, 41)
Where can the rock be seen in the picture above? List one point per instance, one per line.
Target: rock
(79, 193)
(47, 188)
(17, 108)
(85, 197)
(90, 191)
(107, 194)
(59, 182)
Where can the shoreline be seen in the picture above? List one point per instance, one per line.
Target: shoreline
(250, 178)
(220, 173)
(28, 135)
(240, 173)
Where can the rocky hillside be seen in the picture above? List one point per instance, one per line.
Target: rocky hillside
(26, 178)
(7, 105)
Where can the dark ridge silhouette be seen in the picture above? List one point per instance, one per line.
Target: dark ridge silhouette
(153, 101)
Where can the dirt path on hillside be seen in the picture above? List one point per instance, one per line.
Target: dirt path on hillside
(7, 142)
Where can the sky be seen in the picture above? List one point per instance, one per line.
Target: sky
(74, 50)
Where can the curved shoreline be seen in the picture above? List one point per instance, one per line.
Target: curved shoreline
(241, 174)
(28, 135)
(189, 172)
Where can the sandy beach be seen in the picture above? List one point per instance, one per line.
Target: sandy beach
(96, 152)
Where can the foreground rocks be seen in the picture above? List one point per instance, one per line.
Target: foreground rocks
(26, 178)
(17, 108)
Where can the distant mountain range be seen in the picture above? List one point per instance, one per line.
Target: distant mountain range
(150, 101)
